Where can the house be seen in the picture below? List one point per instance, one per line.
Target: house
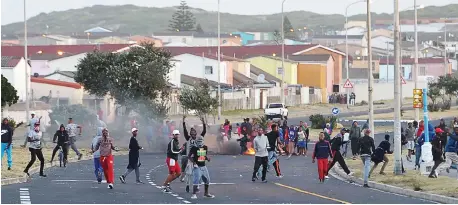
(65, 76)
(382, 42)
(426, 67)
(273, 66)
(261, 35)
(98, 30)
(274, 42)
(48, 39)
(244, 36)
(58, 49)
(13, 69)
(354, 30)
(204, 67)
(332, 40)
(196, 39)
(338, 56)
(383, 32)
(137, 39)
(359, 68)
(431, 51)
(353, 50)
(315, 71)
(111, 40)
(65, 92)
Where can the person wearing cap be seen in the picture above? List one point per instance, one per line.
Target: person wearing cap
(198, 157)
(105, 145)
(134, 158)
(336, 144)
(31, 126)
(98, 170)
(173, 150)
(366, 148)
(34, 139)
(436, 150)
(7, 139)
(72, 132)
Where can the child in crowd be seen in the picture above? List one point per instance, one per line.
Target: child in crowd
(301, 141)
(291, 139)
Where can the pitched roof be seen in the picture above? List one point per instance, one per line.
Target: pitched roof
(53, 49)
(268, 77)
(311, 58)
(320, 46)
(10, 61)
(142, 38)
(55, 82)
(410, 61)
(240, 51)
(241, 80)
(194, 34)
(97, 29)
(49, 56)
(69, 74)
(190, 80)
(338, 37)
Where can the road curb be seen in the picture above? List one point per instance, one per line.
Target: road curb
(47, 165)
(397, 190)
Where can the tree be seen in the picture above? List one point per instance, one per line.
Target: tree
(9, 93)
(277, 37)
(288, 29)
(199, 99)
(136, 79)
(434, 92)
(183, 19)
(80, 114)
(199, 28)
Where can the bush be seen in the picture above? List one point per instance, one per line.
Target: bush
(433, 107)
(317, 121)
(11, 122)
(446, 105)
(364, 103)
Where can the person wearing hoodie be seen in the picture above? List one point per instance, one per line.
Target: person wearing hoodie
(355, 134)
(105, 145)
(451, 149)
(134, 158)
(61, 136)
(380, 155)
(322, 152)
(410, 138)
(436, 151)
(419, 142)
(336, 144)
(261, 146)
(98, 171)
(366, 148)
(191, 140)
(7, 139)
(198, 157)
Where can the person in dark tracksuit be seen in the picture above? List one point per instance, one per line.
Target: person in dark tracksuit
(366, 148)
(380, 155)
(336, 143)
(355, 134)
(437, 152)
(134, 158)
(7, 140)
(322, 152)
(61, 136)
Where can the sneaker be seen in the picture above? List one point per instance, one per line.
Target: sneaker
(9, 168)
(432, 176)
(194, 196)
(326, 177)
(280, 176)
(27, 173)
(253, 179)
(382, 173)
(187, 189)
(209, 196)
(264, 181)
(182, 179)
(140, 182)
(99, 182)
(166, 189)
(350, 174)
(366, 186)
(80, 156)
(447, 170)
(43, 175)
(122, 178)
(110, 186)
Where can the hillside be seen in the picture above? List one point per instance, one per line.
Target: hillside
(145, 20)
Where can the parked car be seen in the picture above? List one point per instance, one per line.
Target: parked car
(276, 110)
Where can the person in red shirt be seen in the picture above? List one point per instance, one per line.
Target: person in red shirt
(105, 145)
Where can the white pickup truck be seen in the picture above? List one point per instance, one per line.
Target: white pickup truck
(276, 110)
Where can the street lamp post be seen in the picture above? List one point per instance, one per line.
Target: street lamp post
(370, 76)
(445, 48)
(219, 62)
(397, 99)
(415, 67)
(283, 52)
(27, 72)
(346, 47)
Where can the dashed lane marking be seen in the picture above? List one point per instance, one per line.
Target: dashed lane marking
(24, 196)
(150, 181)
(311, 193)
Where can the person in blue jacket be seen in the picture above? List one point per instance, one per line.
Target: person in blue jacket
(451, 149)
(420, 141)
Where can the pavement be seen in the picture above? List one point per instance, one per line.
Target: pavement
(230, 175)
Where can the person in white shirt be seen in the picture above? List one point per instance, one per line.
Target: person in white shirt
(34, 139)
(260, 145)
(31, 126)
(71, 130)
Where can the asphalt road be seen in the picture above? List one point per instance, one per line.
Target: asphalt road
(231, 177)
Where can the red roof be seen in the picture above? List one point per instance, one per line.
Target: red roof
(53, 49)
(55, 82)
(411, 61)
(239, 51)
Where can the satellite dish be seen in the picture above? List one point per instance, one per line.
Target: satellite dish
(357, 53)
(261, 78)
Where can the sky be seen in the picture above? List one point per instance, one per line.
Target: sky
(12, 10)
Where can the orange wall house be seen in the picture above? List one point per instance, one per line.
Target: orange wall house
(338, 59)
(313, 75)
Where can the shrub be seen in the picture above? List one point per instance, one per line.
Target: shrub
(433, 107)
(317, 121)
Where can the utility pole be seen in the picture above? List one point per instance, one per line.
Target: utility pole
(283, 52)
(415, 65)
(219, 63)
(370, 77)
(27, 72)
(397, 99)
(445, 48)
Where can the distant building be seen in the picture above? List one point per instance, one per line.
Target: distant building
(13, 69)
(197, 39)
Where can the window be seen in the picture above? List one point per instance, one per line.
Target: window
(208, 70)
(422, 71)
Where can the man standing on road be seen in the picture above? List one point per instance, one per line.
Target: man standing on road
(336, 143)
(191, 140)
(367, 147)
(7, 139)
(34, 139)
(198, 156)
(106, 145)
(134, 158)
(96, 154)
(173, 149)
(71, 130)
(274, 142)
(322, 152)
(410, 137)
(260, 144)
(31, 126)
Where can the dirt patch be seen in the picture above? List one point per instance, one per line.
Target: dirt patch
(412, 180)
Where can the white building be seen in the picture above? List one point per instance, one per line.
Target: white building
(202, 67)
(382, 42)
(13, 69)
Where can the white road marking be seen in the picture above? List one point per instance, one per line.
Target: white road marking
(180, 198)
(24, 189)
(76, 180)
(186, 202)
(158, 187)
(175, 195)
(24, 196)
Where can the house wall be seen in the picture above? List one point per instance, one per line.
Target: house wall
(245, 37)
(16, 77)
(65, 64)
(431, 52)
(242, 67)
(173, 39)
(353, 49)
(74, 96)
(365, 64)
(386, 88)
(40, 66)
(312, 75)
(195, 66)
(60, 77)
(175, 74)
(271, 66)
(406, 74)
(338, 62)
(229, 67)
(433, 69)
